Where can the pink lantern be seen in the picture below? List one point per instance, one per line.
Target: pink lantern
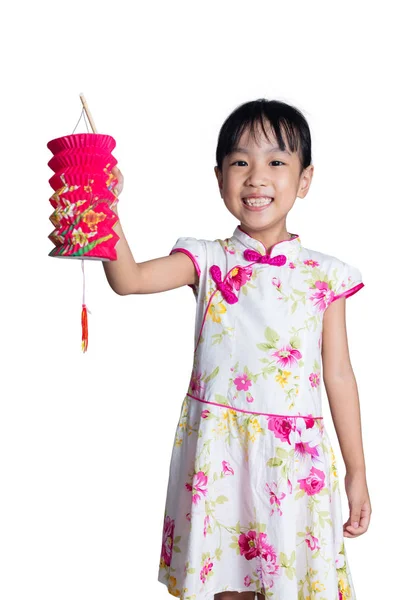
(83, 200)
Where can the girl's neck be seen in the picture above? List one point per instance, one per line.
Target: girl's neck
(268, 236)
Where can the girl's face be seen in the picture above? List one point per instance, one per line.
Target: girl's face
(261, 168)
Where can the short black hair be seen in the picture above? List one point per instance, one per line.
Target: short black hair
(280, 115)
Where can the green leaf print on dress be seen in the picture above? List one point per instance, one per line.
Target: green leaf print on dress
(284, 357)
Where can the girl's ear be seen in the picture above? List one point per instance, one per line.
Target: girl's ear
(305, 181)
(218, 175)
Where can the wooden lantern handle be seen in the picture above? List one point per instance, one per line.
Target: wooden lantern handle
(89, 116)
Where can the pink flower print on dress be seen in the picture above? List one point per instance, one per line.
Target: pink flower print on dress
(314, 483)
(274, 497)
(224, 288)
(242, 382)
(291, 265)
(264, 577)
(168, 540)
(303, 448)
(227, 248)
(226, 468)
(343, 284)
(311, 263)
(205, 413)
(206, 523)
(268, 553)
(200, 481)
(305, 440)
(276, 282)
(208, 565)
(248, 544)
(287, 356)
(309, 420)
(247, 580)
(252, 545)
(249, 398)
(281, 427)
(195, 385)
(323, 296)
(238, 277)
(312, 542)
(314, 379)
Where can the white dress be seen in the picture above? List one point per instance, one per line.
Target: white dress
(253, 500)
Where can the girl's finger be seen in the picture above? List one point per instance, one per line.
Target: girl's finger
(355, 533)
(355, 514)
(365, 516)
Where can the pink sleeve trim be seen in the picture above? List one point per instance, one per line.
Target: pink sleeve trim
(349, 292)
(191, 256)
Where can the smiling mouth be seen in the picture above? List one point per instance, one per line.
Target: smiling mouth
(257, 202)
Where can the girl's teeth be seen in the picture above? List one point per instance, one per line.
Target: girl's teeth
(257, 201)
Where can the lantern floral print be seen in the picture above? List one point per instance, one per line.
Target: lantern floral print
(253, 498)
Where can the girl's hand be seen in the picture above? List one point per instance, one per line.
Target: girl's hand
(120, 184)
(359, 504)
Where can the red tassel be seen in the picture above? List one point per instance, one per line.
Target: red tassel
(85, 333)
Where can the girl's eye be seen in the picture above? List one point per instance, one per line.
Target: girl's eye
(273, 161)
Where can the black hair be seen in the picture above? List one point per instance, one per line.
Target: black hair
(280, 115)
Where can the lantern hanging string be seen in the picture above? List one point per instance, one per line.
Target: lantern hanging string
(85, 310)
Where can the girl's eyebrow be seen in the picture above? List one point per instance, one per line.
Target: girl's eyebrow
(274, 149)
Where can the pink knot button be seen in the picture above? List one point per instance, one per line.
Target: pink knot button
(224, 288)
(255, 256)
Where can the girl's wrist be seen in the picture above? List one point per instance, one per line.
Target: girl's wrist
(355, 471)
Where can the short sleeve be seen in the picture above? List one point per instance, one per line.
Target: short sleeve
(348, 283)
(196, 250)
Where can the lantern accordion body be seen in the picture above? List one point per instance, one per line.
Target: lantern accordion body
(83, 196)
(83, 200)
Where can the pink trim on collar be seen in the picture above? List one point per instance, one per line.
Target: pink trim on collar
(294, 236)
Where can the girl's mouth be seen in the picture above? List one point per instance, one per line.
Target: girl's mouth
(257, 204)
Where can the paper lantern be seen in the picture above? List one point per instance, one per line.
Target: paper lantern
(83, 201)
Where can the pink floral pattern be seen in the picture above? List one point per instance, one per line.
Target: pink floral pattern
(314, 483)
(287, 356)
(168, 538)
(243, 382)
(282, 427)
(199, 487)
(323, 296)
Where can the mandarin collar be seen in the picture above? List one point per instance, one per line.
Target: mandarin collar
(289, 248)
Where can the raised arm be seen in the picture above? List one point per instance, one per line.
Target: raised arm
(126, 276)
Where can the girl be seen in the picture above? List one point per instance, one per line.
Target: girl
(253, 503)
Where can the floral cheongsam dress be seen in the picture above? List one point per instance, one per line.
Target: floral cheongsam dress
(253, 500)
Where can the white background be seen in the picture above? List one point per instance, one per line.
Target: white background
(86, 439)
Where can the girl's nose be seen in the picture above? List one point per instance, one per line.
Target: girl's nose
(258, 176)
